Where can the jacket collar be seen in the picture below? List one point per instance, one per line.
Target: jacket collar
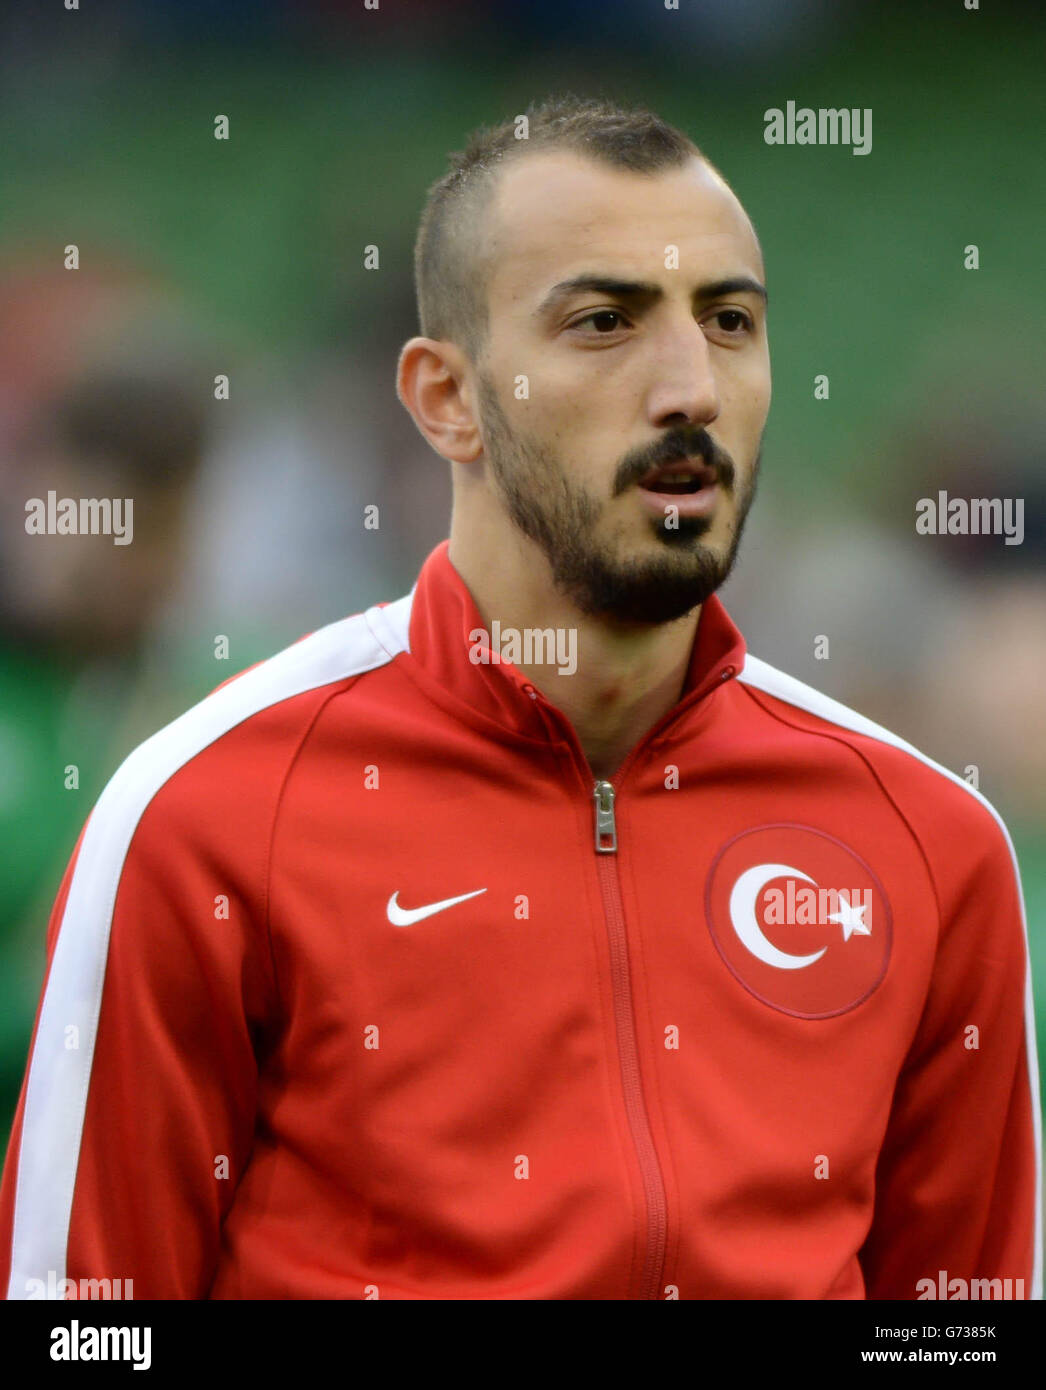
(443, 614)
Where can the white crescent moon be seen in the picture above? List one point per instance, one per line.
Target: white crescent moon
(743, 898)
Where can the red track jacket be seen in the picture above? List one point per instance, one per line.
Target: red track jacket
(359, 987)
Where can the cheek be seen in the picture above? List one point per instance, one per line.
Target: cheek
(542, 413)
(748, 401)
(761, 381)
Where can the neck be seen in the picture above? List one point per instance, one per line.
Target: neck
(626, 676)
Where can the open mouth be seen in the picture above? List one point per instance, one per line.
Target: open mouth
(679, 477)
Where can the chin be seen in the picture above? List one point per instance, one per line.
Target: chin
(651, 588)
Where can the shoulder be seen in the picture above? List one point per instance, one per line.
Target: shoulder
(925, 790)
(232, 748)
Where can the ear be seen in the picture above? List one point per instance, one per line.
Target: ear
(432, 382)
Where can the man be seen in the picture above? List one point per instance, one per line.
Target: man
(524, 937)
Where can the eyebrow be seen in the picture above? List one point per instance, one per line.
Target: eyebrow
(643, 290)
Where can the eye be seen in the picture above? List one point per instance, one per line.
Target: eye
(604, 321)
(733, 322)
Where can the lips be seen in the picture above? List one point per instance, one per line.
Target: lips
(679, 476)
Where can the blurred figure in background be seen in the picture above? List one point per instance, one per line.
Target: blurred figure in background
(78, 688)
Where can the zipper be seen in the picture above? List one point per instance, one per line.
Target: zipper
(620, 974)
(628, 1047)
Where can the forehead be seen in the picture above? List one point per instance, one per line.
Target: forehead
(555, 212)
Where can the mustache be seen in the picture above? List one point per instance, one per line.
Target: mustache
(673, 445)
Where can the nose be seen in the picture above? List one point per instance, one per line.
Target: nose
(683, 388)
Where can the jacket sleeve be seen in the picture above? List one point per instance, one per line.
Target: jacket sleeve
(136, 1115)
(958, 1195)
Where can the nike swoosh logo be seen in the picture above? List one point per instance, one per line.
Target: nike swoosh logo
(404, 916)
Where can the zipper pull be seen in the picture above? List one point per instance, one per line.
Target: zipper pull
(606, 826)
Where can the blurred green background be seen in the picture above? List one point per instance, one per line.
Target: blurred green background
(245, 257)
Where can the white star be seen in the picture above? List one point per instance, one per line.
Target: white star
(851, 919)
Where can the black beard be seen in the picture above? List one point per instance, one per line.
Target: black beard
(561, 520)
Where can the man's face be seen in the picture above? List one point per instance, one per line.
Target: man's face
(632, 366)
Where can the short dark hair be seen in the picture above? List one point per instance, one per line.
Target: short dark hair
(450, 274)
